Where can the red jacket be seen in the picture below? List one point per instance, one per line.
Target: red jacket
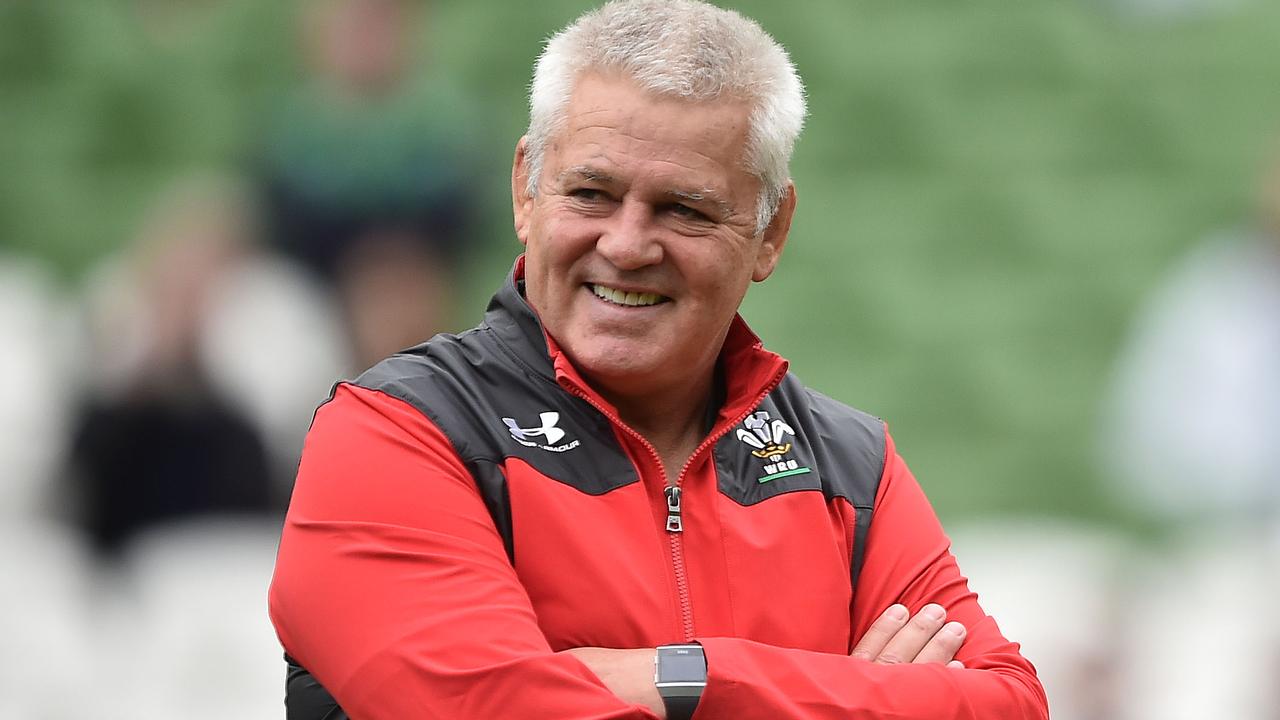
(470, 507)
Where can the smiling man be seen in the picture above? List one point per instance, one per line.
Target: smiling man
(642, 239)
(609, 500)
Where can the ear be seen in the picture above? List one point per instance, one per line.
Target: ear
(521, 200)
(775, 236)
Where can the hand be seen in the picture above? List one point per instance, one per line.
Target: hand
(628, 673)
(892, 639)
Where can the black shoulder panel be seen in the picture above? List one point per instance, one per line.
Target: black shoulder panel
(798, 439)
(492, 407)
(828, 446)
(850, 440)
(492, 391)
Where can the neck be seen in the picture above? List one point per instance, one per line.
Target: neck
(673, 420)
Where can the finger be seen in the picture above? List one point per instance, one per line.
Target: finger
(942, 647)
(881, 632)
(956, 664)
(911, 639)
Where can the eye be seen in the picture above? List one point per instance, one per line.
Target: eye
(589, 195)
(685, 212)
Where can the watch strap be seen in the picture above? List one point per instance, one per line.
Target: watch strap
(680, 708)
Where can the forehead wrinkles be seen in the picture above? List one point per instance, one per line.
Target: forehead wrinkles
(716, 138)
(618, 106)
(690, 146)
(603, 153)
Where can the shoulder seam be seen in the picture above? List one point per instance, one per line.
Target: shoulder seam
(389, 389)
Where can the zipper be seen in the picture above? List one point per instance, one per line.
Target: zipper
(673, 492)
(682, 577)
(673, 509)
(675, 535)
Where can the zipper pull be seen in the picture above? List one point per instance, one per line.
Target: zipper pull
(673, 510)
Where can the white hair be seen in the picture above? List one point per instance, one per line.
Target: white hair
(680, 48)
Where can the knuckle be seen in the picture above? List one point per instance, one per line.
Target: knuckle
(923, 623)
(872, 638)
(942, 641)
(890, 623)
(880, 627)
(890, 659)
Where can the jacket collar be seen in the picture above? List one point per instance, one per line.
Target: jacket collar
(514, 321)
(749, 370)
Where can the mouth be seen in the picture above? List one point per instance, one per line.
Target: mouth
(625, 298)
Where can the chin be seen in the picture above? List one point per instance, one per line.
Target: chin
(614, 365)
(618, 365)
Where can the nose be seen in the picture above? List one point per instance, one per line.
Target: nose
(631, 239)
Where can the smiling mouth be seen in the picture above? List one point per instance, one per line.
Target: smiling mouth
(627, 299)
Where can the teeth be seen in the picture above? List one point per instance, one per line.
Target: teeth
(626, 298)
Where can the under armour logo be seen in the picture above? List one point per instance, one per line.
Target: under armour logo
(547, 430)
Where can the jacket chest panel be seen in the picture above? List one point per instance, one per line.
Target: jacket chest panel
(599, 571)
(787, 569)
(594, 566)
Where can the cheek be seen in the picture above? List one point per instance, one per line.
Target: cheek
(722, 276)
(731, 294)
(565, 239)
(557, 244)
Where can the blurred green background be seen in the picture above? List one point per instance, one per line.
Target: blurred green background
(987, 189)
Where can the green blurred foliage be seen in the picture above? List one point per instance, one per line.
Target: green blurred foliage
(987, 189)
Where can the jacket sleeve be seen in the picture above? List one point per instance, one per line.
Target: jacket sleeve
(907, 560)
(392, 586)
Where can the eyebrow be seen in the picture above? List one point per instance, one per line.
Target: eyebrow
(590, 174)
(583, 172)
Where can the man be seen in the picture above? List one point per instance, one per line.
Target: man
(611, 473)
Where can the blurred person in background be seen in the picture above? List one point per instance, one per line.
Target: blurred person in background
(1192, 439)
(1195, 414)
(175, 460)
(367, 172)
(611, 473)
(155, 440)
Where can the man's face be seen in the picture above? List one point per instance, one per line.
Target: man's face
(640, 242)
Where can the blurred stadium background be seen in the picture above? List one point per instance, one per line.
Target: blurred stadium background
(990, 192)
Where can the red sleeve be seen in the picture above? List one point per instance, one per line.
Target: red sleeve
(908, 560)
(392, 586)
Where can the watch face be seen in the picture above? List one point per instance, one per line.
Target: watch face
(681, 665)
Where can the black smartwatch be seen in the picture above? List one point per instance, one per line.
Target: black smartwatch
(680, 674)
